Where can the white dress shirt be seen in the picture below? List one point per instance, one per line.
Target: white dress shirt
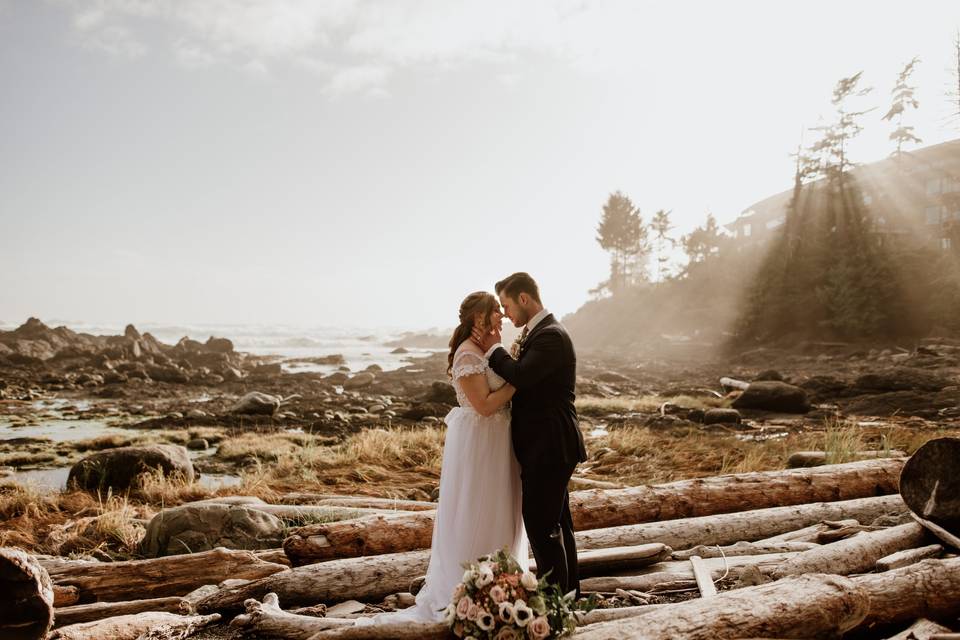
(531, 323)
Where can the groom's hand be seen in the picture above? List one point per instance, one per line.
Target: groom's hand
(486, 339)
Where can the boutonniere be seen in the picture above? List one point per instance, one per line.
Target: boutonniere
(518, 344)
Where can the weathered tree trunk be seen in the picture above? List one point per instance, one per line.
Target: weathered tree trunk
(375, 577)
(26, 606)
(920, 630)
(742, 549)
(814, 531)
(399, 631)
(798, 607)
(267, 619)
(907, 557)
(854, 555)
(99, 610)
(595, 509)
(729, 528)
(378, 503)
(927, 589)
(158, 577)
(361, 578)
(655, 577)
(134, 626)
(817, 458)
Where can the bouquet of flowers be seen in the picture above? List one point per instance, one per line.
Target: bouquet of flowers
(497, 600)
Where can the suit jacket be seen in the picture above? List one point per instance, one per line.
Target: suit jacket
(544, 420)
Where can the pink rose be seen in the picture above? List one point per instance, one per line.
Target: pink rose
(497, 594)
(506, 633)
(463, 607)
(539, 628)
(472, 612)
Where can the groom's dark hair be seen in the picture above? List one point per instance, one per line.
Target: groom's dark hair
(517, 283)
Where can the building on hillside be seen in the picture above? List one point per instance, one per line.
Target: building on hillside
(917, 196)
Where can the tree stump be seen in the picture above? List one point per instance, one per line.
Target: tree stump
(26, 608)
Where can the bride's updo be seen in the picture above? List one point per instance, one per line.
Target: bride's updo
(478, 302)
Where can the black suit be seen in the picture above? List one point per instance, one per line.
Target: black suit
(547, 442)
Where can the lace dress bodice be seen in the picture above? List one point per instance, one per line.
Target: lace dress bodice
(465, 363)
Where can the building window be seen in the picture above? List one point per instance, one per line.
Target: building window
(933, 186)
(747, 229)
(776, 222)
(946, 244)
(933, 215)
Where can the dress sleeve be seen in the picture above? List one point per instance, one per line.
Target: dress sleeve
(468, 363)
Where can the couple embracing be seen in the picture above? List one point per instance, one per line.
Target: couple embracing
(511, 446)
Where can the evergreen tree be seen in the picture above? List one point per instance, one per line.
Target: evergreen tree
(903, 97)
(622, 233)
(660, 227)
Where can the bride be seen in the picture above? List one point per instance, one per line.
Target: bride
(479, 509)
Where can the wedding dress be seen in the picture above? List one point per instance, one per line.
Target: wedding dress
(479, 509)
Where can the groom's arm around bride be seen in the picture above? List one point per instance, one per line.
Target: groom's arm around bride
(546, 434)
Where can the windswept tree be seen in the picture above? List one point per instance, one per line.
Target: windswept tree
(903, 98)
(660, 227)
(622, 233)
(832, 147)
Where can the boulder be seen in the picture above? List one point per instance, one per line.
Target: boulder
(721, 416)
(203, 526)
(26, 608)
(219, 345)
(198, 444)
(131, 333)
(337, 377)
(442, 392)
(773, 396)
(769, 375)
(399, 351)
(118, 468)
(256, 403)
(168, 373)
(359, 381)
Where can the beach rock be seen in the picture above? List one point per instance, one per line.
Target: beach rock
(118, 468)
(773, 396)
(200, 527)
(198, 444)
(114, 377)
(219, 345)
(256, 403)
(131, 333)
(230, 374)
(374, 368)
(169, 373)
(906, 403)
(399, 351)
(271, 369)
(359, 381)
(612, 376)
(822, 387)
(442, 392)
(421, 410)
(337, 377)
(26, 608)
(769, 375)
(721, 416)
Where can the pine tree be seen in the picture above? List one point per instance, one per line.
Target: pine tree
(903, 97)
(661, 227)
(621, 232)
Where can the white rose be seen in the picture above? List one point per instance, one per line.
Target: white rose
(528, 581)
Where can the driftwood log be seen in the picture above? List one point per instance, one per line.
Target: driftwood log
(267, 619)
(158, 577)
(376, 577)
(813, 532)
(159, 625)
(26, 606)
(65, 596)
(596, 509)
(798, 607)
(817, 458)
(77, 614)
(854, 555)
(729, 528)
(927, 589)
(908, 556)
(742, 549)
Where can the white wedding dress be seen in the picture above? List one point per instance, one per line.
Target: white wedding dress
(479, 509)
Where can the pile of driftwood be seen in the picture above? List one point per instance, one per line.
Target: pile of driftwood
(802, 553)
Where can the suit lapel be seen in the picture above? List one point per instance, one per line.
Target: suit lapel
(547, 320)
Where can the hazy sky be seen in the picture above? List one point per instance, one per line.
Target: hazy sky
(369, 163)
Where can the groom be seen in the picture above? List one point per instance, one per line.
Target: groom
(546, 435)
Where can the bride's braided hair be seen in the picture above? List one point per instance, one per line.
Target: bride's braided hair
(476, 302)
